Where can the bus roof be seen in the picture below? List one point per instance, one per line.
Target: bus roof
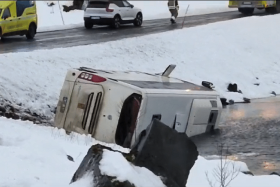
(147, 81)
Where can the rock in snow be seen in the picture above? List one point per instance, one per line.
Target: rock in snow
(167, 153)
(161, 152)
(91, 163)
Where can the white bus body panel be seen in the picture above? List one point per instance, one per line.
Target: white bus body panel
(86, 112)
(184, 113)
(106, 115)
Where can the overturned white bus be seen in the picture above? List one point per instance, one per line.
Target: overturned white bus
(115, 107)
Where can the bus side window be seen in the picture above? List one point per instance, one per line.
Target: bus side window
(156, 116)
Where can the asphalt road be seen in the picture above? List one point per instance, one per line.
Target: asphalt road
(81, 36)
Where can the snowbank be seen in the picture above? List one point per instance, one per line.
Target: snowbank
(50, 18)
(224, 52)
(36, 156)
(114, 164)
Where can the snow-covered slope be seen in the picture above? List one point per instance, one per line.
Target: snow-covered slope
(52, 17)
(36, 156)
(225, 52)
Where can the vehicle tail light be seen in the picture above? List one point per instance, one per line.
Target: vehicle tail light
(91, 77)
(108, 9)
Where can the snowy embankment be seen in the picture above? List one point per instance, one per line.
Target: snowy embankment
(50, 17)
(223, 53)
(36, 156)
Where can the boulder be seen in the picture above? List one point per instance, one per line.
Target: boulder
(232, 87)
(162, 150)
(166, 153)
(90, 163)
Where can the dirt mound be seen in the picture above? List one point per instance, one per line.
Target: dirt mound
(16, 111)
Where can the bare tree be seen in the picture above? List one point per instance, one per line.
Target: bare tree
(226, 172)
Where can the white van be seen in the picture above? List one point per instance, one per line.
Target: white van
(115, 107)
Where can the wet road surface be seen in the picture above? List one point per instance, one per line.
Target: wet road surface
(82, 36)
(252, 134)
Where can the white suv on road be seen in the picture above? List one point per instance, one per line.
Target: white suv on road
(113, 13)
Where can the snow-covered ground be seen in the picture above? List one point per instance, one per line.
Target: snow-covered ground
(225, 52)
(36, 156)
(50, 18)
(54, 18)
